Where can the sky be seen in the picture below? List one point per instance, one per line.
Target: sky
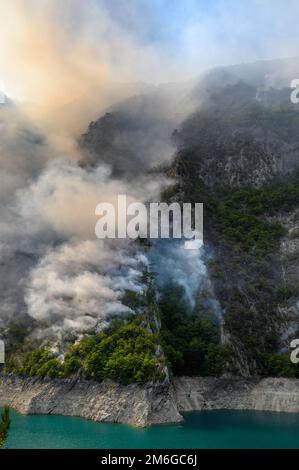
(199, 33)
(137, 40)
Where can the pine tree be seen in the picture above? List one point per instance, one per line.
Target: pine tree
(4, 425)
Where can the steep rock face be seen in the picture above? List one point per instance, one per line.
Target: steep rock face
(245, 138)
(271, 78)
(106, 402)
(238, 139)
(200, 393)
(147, 405)
(243, 134)
(289, 259)
(132, 138)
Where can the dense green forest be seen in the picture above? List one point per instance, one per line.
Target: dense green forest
(135, 349)
(244, 230)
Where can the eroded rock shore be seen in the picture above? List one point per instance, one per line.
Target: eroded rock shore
(146, 405)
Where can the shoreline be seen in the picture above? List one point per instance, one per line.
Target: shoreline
(150, 404)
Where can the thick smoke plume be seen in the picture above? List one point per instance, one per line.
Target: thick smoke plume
(63, 64)
(58, 63)
(68, 61)
(79, 285)
(64, 277)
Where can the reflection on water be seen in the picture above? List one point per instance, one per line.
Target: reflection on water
(206, 429)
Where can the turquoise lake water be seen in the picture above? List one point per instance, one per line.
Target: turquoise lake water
(205, 429)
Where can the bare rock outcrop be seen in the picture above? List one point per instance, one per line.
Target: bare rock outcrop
(150, 404)
(207, 393)
(106, 402)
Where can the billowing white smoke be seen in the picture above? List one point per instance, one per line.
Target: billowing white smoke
(63, 199)
(177, 266)
(52, 266)
(77, 286)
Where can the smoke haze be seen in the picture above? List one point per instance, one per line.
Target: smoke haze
(64, 64)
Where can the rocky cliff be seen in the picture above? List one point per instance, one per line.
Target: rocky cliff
(238, 153)
(105, 402)
(147, 405)
(269, 394)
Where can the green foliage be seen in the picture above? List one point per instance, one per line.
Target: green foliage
(133, 299)
(124, 352)
(279, 365)
(126, 355)
(246, 230)
(170, 192)
(266, 200)
(239, 215)
(4, 425)
(71, 365)
(41, 362)
(251, 301)
(283, 294)
(17, 333)
(238, 223)
(190, 342)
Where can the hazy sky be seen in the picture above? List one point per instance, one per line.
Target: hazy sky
(136, 40)
(200, 33)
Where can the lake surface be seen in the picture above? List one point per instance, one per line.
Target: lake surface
(205, 429)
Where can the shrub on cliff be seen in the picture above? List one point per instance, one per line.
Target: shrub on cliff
(4, 425)
(190, 341)
(126, 355)
(124, 352)
(41, 362)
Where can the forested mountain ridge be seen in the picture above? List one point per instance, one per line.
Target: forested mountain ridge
(236, 150)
